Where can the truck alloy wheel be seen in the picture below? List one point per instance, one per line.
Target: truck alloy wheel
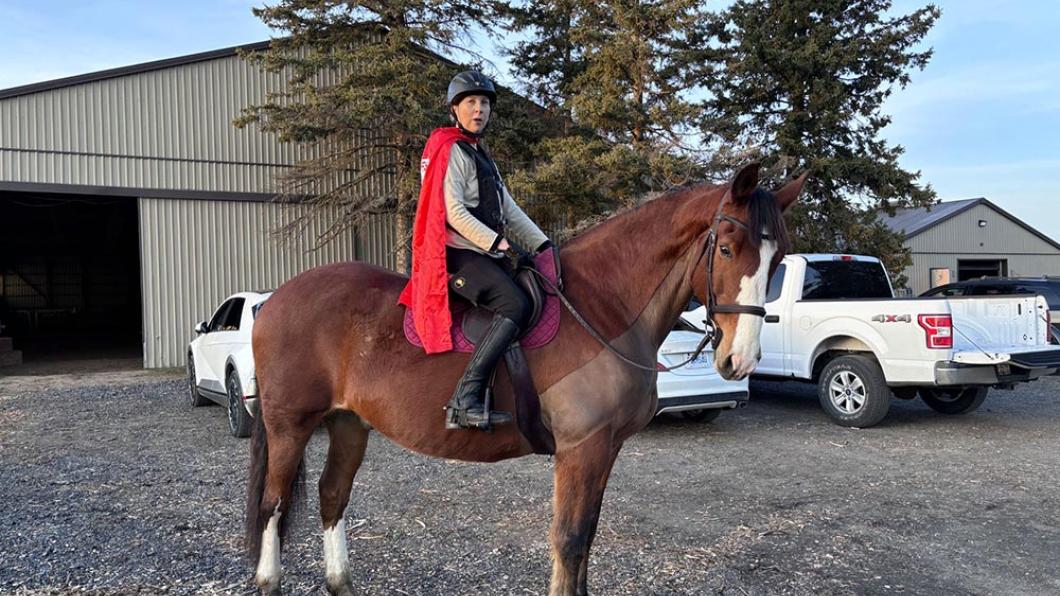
(853, 391)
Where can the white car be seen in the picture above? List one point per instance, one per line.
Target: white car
(221, 363)
(696, 390)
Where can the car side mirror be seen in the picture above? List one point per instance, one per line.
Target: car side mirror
(200, 328)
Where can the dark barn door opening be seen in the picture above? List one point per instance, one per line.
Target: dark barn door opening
(70, 276)
(976, 268)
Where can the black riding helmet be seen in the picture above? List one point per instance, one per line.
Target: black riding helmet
(469, 82)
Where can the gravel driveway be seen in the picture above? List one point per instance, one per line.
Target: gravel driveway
(123, 488)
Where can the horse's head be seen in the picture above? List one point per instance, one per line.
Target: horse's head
(749, 240)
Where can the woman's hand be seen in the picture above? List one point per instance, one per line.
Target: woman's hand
(503, 245)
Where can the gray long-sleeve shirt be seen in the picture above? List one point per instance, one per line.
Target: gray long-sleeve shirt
(468, 232)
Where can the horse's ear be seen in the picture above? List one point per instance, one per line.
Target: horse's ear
(787, 195)
(745, 183)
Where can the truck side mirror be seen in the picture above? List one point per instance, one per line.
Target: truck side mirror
(200, 328)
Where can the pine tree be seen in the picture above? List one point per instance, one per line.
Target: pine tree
(800, 84)
(614, 72)
(363, 91)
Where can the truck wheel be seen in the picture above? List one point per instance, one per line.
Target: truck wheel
(854, 392)
(954, 400)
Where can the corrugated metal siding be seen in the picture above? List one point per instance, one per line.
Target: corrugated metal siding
(961, 238)
(961, 234)
(195, 253)
(919, 273)
(169, 128)
(172, 129)
(376, 241)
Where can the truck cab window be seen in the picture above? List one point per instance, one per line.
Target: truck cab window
(775, 284)
(836, 280)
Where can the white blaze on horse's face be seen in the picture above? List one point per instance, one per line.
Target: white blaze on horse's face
(746, 349)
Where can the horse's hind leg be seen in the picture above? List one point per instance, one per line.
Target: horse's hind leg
(581, 476)
(345, 452)
(286, 445)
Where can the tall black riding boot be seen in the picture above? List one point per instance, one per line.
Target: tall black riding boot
(466, 408)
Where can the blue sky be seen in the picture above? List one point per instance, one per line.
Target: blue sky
(982, 120)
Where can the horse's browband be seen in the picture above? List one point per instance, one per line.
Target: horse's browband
(741, 224)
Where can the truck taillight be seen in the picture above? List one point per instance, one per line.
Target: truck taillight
(938, 331)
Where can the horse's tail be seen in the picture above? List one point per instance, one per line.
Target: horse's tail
(256, 519)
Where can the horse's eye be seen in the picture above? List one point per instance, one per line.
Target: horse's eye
(725, 251)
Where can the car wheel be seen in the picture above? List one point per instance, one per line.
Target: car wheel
(854, 392)
(197, 399)
(954, 400)
(703, 416)
(239, 420)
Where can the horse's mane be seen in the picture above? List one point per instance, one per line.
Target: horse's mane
(763, 213)
(640, 216)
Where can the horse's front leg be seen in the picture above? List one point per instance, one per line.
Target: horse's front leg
(580, 477)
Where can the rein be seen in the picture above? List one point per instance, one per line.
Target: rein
(710, 335)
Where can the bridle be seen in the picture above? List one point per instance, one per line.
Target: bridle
(712, 334)
(712, 300)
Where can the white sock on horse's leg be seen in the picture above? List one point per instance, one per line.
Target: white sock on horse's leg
(268, 574)
(336, 557)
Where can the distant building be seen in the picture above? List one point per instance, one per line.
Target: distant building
(959, 240)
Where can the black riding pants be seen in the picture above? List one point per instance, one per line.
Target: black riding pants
(487, 282)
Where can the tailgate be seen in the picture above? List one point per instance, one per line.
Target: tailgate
(1034, 357)
(998, 325)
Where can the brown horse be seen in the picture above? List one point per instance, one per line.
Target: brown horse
(329, 348)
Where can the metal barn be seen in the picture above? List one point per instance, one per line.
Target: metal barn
(130, 206)
(959, 240)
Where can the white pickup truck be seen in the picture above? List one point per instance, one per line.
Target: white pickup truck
(833, 320)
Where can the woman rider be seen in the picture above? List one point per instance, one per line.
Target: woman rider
(462, 186)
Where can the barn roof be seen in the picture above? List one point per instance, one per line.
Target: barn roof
(912, 222)
(131, 69)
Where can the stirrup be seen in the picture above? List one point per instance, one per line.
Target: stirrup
(474, 418)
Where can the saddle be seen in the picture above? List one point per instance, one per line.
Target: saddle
(470, 324)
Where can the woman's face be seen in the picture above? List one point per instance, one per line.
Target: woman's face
(473, 112)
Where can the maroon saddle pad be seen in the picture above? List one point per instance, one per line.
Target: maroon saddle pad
(540, 334)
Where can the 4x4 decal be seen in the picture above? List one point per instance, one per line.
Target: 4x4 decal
(892, 319)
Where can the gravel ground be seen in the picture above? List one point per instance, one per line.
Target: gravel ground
(123, 488)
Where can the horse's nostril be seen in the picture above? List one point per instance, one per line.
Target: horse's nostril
(726, 365)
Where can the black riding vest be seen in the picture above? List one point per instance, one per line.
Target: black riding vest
(490, 189)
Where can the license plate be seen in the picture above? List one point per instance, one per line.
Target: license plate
(1003, 370)
(701, 361)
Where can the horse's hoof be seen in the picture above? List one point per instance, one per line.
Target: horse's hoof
(270, 589)
(345, 588)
